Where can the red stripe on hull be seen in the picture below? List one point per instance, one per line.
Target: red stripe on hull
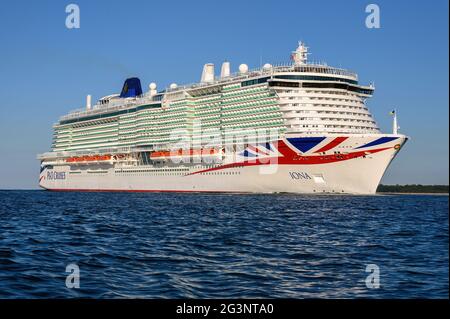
(333, 143)
(297, 159)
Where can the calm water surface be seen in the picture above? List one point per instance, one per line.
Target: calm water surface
(222, 246)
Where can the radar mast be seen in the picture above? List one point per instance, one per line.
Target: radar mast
(300, 56)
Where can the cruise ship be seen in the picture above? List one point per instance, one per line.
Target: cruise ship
(299, 127)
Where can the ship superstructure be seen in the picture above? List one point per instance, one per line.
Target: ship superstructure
(298, 127)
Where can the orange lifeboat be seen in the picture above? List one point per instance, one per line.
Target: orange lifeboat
(103, 157)
(181, 152)
(160, 154)
(90, 158)
(209, 151)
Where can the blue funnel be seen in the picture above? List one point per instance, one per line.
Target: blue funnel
(131, 88)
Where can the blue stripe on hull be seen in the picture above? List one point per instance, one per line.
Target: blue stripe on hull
(379, 141)
(304, 144)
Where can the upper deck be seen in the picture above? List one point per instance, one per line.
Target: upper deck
(288, 71)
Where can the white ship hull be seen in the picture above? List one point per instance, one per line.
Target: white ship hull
(335, 164)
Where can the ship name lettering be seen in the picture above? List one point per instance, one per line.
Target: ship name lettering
(299, 175)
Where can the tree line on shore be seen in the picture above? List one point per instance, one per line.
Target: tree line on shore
(413, 188)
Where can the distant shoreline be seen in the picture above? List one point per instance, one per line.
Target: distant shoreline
(405, 193)
(414, 189)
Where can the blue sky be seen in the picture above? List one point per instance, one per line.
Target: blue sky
(47, 70)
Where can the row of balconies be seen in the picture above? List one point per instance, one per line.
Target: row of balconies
(293, 115)
(328, 121)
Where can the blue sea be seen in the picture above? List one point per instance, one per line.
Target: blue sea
(144, 245)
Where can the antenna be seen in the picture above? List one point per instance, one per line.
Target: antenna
(395, 126)
(300, 56)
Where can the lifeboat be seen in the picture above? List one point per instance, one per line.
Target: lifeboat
(209, 151)
(181, 152)
(160, 154)
(90, 158)
(104, 157)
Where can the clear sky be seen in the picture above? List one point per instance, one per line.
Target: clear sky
(47, 70)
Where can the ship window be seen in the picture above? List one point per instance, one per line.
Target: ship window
(337, 86)
(254, 81)
(314, 78)
(284, 84)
